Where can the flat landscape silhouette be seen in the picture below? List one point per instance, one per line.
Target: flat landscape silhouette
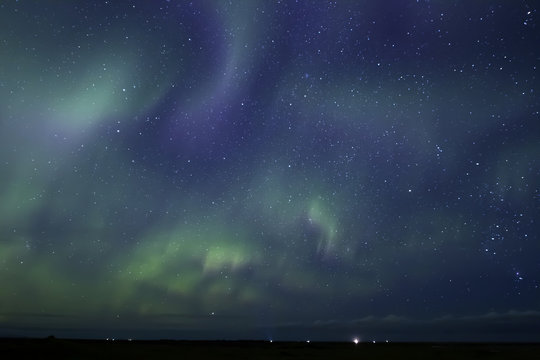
(168, 349)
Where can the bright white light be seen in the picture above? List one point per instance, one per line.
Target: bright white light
(356, 341)
(308, 341)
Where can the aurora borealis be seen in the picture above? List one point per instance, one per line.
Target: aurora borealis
(270, 169)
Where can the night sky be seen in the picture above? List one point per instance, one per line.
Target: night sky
(270, 169)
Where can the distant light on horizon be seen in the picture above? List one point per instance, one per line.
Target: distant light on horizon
(356, 341)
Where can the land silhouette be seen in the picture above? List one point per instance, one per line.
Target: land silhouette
(52, 347)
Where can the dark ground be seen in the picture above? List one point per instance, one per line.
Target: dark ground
(99, 349)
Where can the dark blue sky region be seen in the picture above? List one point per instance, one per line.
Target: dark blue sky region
(270, 169)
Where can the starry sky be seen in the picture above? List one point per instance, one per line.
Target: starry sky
(270, 169)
